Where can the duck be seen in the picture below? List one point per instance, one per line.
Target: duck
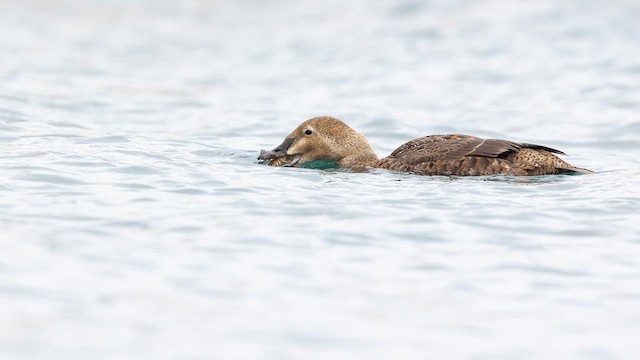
(326, 139)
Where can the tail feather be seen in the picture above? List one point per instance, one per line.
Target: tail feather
(540, 147)
(578, 170)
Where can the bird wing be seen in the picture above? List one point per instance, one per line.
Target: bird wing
(451, 147)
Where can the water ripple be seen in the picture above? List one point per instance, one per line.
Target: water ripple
(136, 222)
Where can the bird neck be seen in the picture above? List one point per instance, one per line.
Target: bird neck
(362, 158)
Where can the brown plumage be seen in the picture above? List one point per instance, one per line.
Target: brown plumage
(329, 139)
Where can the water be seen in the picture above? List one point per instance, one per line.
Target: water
(136, 223)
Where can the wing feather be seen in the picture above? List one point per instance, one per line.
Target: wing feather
(451, 147)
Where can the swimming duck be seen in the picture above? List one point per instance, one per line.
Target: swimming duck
(327, 139)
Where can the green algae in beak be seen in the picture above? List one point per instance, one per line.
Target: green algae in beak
(319, 164)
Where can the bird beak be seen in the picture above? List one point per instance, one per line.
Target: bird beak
(279, 152)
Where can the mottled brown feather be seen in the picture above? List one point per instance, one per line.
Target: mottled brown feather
(465, 155)
(450, 147)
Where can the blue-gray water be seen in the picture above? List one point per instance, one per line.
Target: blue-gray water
(136, 223)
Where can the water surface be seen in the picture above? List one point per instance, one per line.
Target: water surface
(137, 224)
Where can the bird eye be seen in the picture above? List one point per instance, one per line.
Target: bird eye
(308, 132)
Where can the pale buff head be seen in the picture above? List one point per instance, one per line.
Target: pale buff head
(322, 138)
